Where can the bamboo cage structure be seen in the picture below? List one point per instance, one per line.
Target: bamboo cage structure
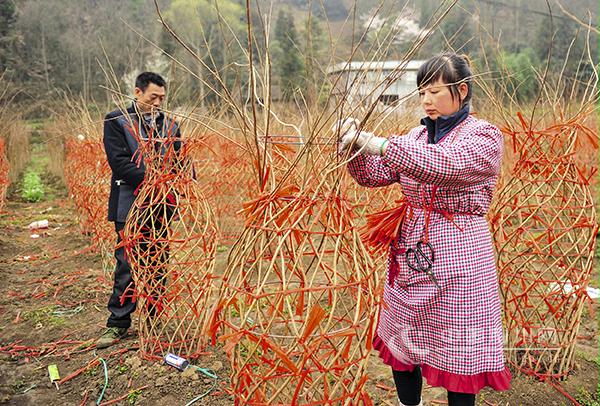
(544, 223)
(227, 184)
(300, 294)
(170, 240)
(87, 176)
(544, 227)
(297, 305)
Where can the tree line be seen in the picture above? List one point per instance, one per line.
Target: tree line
(82, 48)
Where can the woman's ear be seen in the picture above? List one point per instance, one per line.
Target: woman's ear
(463, 91)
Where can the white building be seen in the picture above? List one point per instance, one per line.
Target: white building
(391, 82)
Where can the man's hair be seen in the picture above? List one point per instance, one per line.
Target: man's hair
(145, 78)
(451, 69)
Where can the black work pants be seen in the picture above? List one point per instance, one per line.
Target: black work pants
(409, 385)
(121, 303)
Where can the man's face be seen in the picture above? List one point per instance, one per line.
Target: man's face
(149, 100)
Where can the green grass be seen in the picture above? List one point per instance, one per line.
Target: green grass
(36, 124)
(133, 396)
(18, 385)
(91, 372)
(44, 316)
(595, 358)
(585, 398)
(33, 188)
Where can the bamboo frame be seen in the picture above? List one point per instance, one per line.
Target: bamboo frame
(170, 239)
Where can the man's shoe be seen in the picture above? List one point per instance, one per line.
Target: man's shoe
(111, 336)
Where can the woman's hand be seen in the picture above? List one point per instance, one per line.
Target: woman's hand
(342, 127)
(363, 142)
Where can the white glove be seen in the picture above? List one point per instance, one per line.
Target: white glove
(363, 142)
(341, 127)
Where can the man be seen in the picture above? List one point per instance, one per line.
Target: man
(128, 170)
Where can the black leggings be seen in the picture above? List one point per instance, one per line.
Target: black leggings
(409, 384)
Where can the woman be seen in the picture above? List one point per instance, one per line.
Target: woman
(441, 313)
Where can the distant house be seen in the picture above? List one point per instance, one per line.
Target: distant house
(365, 82)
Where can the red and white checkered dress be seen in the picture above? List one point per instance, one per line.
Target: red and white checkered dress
(454, 334)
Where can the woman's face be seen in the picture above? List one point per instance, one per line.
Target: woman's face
(436, 99)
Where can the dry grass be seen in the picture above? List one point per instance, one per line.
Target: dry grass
(55, 145)
(12, 129)
(16, 136)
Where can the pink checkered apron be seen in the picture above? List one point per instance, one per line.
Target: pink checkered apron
(453, 333)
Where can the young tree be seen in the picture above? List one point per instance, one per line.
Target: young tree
(211, 30)
(520, 68)
(557, 38)
(457, 31)
(333, 10)
(288, 61)
(567, 42)
(61, 41)
(314, 39)
(7, 34)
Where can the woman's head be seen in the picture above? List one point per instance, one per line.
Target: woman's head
(444, 84)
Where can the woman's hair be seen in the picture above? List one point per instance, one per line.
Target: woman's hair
(452, 69)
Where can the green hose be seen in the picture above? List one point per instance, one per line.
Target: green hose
(105, 381)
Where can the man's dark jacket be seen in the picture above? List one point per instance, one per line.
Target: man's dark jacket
(122, 153)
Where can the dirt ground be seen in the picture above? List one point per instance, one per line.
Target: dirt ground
(52, 307)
